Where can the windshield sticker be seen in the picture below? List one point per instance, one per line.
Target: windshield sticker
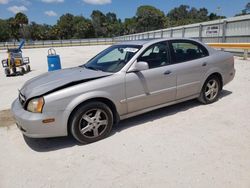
(133, 50)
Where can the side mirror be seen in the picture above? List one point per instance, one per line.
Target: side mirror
(139, 66)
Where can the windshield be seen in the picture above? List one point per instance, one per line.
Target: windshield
(113, 59)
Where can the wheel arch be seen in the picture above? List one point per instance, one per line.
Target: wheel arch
(104, 100)
(219, 76)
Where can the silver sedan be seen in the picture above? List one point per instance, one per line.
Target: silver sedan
(122, 81)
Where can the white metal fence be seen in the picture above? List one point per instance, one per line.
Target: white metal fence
(230, 30)
(59, 43)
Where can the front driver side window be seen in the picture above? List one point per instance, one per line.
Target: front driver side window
(155, 55)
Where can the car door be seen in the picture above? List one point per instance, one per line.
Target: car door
(153, 86)
(191, 64)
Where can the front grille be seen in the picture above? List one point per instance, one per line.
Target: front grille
(21, 99)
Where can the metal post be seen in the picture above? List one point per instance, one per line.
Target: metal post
(171, 33)
(224, 27)
(183, 32)
(219, 32)
(245, 54)
(161, 33)
(218, 10)
(200, 32)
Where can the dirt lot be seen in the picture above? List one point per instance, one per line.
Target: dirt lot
(185, 145)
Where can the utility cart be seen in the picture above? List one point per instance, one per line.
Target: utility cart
(16, 64)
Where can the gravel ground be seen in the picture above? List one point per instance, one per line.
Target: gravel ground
(185, 145)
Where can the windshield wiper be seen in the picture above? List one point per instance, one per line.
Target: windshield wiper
(92, 68)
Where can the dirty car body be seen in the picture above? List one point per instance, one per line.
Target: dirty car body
(124, 80)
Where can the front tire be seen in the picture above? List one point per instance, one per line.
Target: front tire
(91, 122)
(210, 91)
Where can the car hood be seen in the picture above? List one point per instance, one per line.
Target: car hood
(56, 80)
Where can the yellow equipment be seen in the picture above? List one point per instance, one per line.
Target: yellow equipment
(16, 61)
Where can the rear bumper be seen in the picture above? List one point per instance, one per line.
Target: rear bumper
(31, 124)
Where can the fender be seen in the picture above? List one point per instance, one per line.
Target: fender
(121, 108)
(210, 72)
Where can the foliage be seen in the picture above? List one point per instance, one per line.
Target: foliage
(149, 18)
(183, 15)
(245, 11)
(99, 23)
(66, 26)
(82, 27)
(14, 28)
(21, 20)
(130, 25)
(70, 26)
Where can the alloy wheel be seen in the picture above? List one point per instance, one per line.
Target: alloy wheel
(212, 90)
(93, 123)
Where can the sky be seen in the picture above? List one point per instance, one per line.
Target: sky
(48, 11)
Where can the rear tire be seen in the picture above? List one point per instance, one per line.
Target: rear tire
(91, 122)
(7, 71)
(14, 70)
(210, 91)
(22, 70)
(27, 68)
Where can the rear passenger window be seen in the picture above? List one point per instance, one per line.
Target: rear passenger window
(182, 51)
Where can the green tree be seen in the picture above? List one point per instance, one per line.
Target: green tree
(99, 23)
(183, 15)
(14, 28)
(149, 18)
(245, 11)
(179, 15)
(22, 20)
(41, 32)
(114, 25)
(213, 16)
(104, 25)
(130, 25)
(4, 31)
(65, 25)
(247, 7)
(83, 27)
(53, 33)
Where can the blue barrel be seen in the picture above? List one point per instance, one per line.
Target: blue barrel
(54, 62)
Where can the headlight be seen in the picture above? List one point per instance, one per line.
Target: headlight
(36, 105)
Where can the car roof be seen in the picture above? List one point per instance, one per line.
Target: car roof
(151, 41)
(148, 42)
